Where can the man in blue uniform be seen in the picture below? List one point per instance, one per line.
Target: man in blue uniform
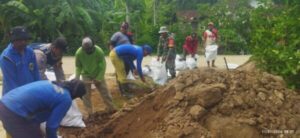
(126, 54)
(18, 63)
(24, 108)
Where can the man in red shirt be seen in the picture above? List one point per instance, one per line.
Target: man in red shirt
(190, 45)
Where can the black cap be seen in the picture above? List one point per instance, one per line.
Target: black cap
(60, 43)
(19, 33)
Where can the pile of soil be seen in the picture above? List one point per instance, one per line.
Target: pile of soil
(205, 103)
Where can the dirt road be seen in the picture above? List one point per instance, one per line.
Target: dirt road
(69, 62)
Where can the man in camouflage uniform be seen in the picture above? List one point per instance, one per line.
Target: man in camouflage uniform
(167, 50)
(50, 55)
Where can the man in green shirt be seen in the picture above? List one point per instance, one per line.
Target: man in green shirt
(90, 64)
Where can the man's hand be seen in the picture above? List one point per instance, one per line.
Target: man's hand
(143, 79)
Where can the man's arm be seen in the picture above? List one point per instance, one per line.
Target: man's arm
(139, 66)
(113, 40)
(159, 49)
(41, 61)
(78, 65)
(59, 72)
(102, 65)
(9, 74)
(55, 118)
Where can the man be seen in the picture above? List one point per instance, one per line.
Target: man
(127, 53)
(50, 55)
(190, 45)
(121, 37)
(210, 37)
(18, 63)
(24, 108)
(166, 49)
(91, 65)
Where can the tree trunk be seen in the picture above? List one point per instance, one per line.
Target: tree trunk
(127, 12)
(154, 12)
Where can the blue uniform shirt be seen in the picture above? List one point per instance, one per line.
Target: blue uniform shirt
(18, 69)
(40, 101)
(129, 53)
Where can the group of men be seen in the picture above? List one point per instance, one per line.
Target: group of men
(167, 50)
(29, 98)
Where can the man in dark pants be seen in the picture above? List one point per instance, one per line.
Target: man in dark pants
(24, 108)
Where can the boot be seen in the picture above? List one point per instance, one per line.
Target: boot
(124, 91)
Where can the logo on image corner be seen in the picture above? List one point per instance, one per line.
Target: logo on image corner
(31, 66)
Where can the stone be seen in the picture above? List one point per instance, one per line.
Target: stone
(197, 112)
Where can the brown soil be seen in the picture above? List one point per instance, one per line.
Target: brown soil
(203, 103)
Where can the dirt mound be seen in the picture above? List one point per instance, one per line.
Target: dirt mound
(207, 103)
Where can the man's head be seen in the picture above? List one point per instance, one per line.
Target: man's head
(124, 27)
(210, 25)
(19, 36)
(76, 87)
(58, 47)
(163, 31)
(87, 45)
(147, 50)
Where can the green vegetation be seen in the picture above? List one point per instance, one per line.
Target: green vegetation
(275, 39)
(268, 30)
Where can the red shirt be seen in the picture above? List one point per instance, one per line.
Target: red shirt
(190, 44)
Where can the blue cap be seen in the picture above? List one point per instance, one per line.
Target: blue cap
(147, 48)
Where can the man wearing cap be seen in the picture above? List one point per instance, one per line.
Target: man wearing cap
(166, 49)
(90, 64)
(127, 53)
(190, 45)
(50, 55)
(18, 62)
(210, 37)
(24, 108)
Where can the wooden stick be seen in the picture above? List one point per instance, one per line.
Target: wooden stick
(226, 63)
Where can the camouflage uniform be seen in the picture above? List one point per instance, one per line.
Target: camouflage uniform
(167, 50)
(45, 60)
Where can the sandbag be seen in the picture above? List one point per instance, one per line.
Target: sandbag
(157, 71)
(180, 65)
(130, 76)
(73, 117)
(191, 62)
(160, 75)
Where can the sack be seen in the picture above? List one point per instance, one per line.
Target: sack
(157, 71)
(211, 52)
(232, 66)
(50, 75)
(180, 65)
(130, 76)
(73, 117)
(146, 70)
(191, 63)
(159, 74)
